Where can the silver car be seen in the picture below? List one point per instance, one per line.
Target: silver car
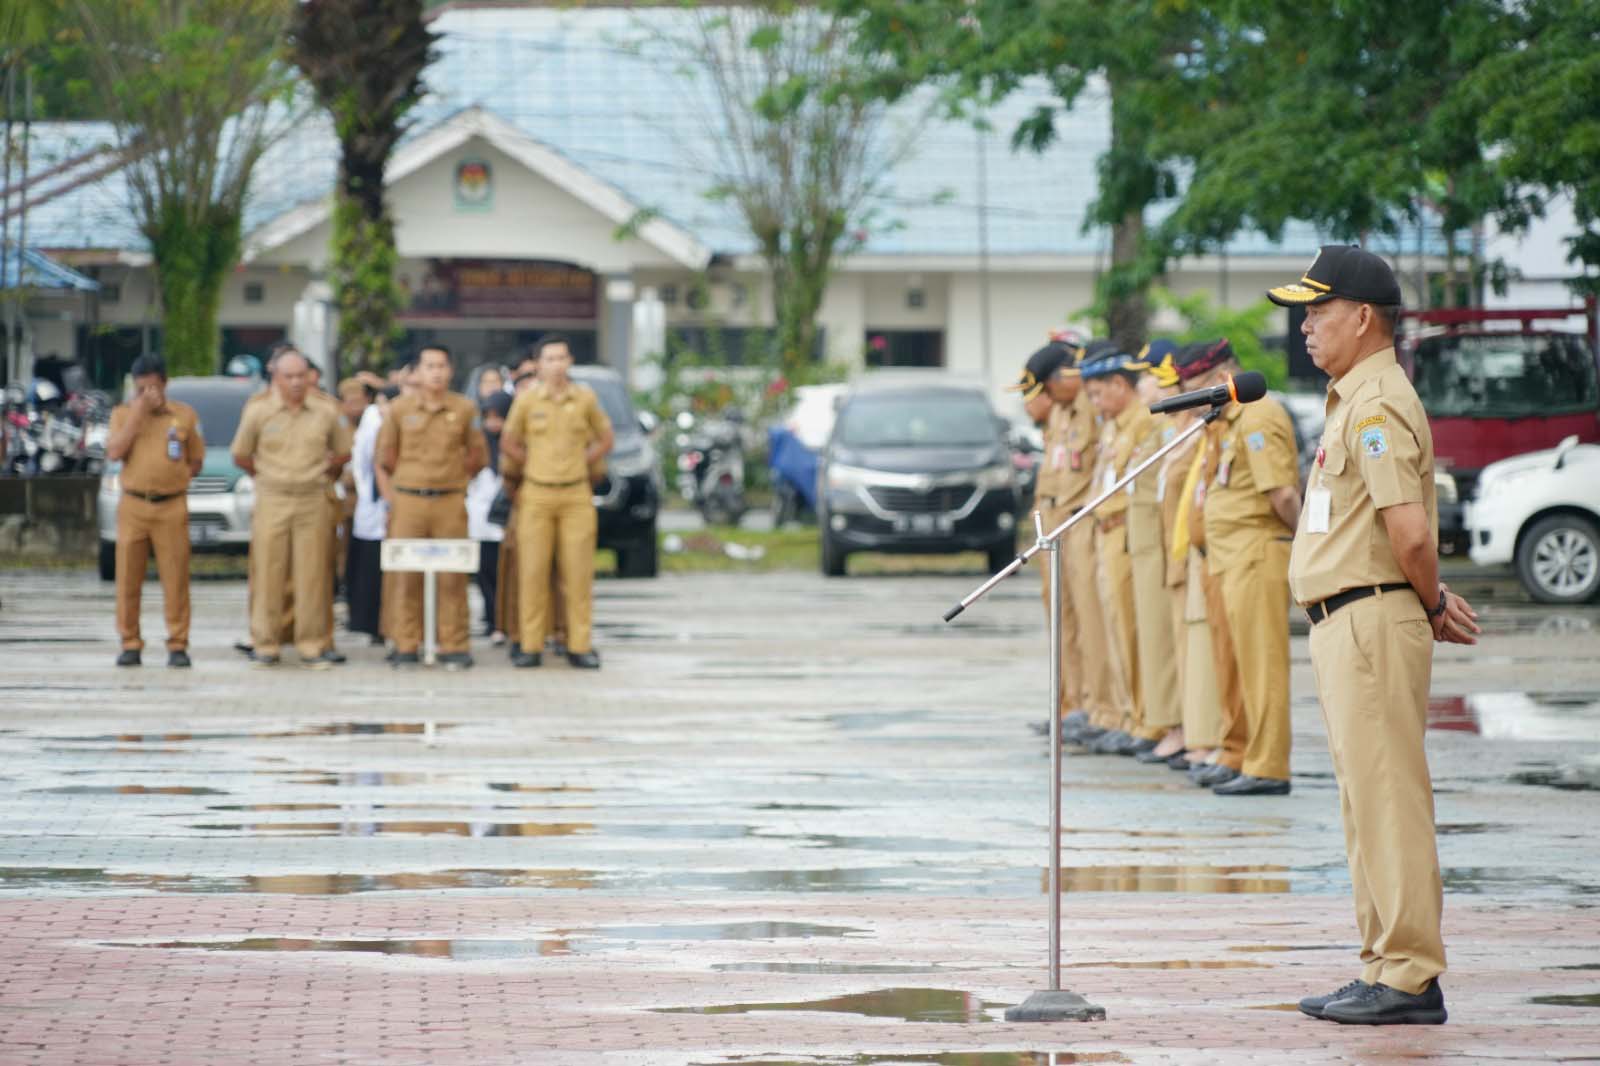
(221, 496)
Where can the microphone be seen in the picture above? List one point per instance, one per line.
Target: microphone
(1246, 388)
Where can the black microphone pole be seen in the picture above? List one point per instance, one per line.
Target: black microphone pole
(1056, 1004)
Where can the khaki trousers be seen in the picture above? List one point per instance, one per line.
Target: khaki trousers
(1202, 710)
(336, 553)
(1122, 638)
(1256, 597)
(1158, 653)
(556, 529)
(429, 517)
(1080, 579)
(289, 541)
(1232, 733)
(1373, 660)
(1072, 683)
(508, 589)
(163, 528)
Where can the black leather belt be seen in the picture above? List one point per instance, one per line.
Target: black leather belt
(153, 497)
(559, 484)
(1319, 612)
(427, 492)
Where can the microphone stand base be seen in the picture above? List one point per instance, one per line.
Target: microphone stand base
(1056, 1006)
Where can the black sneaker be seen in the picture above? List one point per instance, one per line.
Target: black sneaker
(178, 660)
(1312, 1005)
(1381, 1005)
(129, 658)
(456, 660)
(524, 660)
(584, 660)
(404, 658)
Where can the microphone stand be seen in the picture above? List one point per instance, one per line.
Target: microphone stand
(1057, 1004)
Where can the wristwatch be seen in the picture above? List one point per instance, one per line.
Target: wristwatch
(1444, 598)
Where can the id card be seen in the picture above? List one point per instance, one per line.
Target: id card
(1110, 480)
(1319, 507)
(1223, 471)
(1161, 485)
(1058, 457)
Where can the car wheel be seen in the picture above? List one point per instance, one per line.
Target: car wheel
(834, 557)
(1000, 555)
(108, 560)
(641, 560)
(1558, 559)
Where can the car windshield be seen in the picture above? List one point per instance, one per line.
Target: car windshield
(219, 411)
(614, 400)
(1506, 375)
(917, 420)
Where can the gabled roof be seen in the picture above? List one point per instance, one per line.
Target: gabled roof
(439, 140)
(32, 269)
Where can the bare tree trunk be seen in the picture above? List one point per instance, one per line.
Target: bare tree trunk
(1128, 307)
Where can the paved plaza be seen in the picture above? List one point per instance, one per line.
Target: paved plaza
(793, 821)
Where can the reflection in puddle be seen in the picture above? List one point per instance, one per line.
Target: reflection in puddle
(824, 967)
(906, 1004)
(367, 829)
(33, 877)
(725, 931)
(941, 1058)
(1591, 999)
(1275, 1006)
(1253, 948)
(1170, 964)
(131, 790)
(333, 729)
(1208, 879)
(1519, 715)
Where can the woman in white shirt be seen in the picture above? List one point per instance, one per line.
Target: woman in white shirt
(368, 526)
(481, 491)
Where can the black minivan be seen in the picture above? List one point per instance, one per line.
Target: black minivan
(916, 464)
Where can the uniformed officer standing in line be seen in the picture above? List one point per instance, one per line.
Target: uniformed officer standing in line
(159, 444)
(1051, 393)
(431, 447)
(1251, 507)
(1365, 567)
(558, 431)
(291, 446)
(1111, 377)
(1147, 550)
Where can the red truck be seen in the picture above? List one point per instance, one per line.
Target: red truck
(1497, 383)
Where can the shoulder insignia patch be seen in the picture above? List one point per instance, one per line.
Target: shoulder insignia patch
(1374, 443)
(1256, 441)
(1374, 420)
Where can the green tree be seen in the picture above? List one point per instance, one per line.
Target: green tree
(197, 91)
(800, 159)
(365, 60)
(1204, 319)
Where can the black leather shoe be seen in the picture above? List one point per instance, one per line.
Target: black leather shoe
(1179, 761)
(244, 647)
(335, 657)
(456, 660)
(514, 649)
(523, 660)
(583, 660)
(1312, 1005)
(1381, 1005)
(263, 661)
(129, 658)
(404, 658)
(1213, 775)
(1109, 743)
(1085, 736)
(324, 661)
(1137, 746)
(1150, 758)
(1245, 785)
(178, 660)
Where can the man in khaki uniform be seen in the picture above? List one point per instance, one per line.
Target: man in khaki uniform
(158, 442)
(1147, 550)
(431, 447)
(1365, 567)
(1112, 379)
(1251, 506)
(291, 446)
(1051, 389)
(557, 431)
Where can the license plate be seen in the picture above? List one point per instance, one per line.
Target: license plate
(200, 533)
(922, 523)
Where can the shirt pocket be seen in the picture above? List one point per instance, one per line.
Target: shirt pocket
(1340, 478)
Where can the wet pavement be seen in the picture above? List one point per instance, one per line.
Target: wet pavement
(792, 821)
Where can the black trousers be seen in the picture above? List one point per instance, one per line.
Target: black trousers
(488, 579)
(363, 579)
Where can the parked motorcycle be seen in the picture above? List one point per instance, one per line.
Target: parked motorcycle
(711, 466)
(49, 433)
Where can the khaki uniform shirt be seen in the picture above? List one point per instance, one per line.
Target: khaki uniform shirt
(1079, 459)
(150, 467)
(431, 444)
(1120, 437)
(1053, 463)
(1377, 451)
(291, 448)
(1174, 471)
(1255, 453)
(556, 432)
(1144, 496)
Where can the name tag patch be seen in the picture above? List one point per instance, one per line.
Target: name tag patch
(1256, 441)
(1374, 443)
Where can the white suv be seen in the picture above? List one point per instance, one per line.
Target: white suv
(1542, 512)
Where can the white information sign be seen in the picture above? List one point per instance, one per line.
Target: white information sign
(431, 556)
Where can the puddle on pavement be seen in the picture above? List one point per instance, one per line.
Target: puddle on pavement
(48, 640)
(930, 1058)
(1170, 964)
(1531, 715)
(132, 790)
(905, 1004)
(1253, 948)
(723, 931)
(401, 828)
(1566, 778)
(826, 968)
(1204, 879)
(1580, 966)
(1470, 828)
(1275, 1006)
(511, 786)
(37, 877)
(1591, 999)
(329, 730)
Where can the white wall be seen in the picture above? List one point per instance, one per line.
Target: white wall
(1537, 260)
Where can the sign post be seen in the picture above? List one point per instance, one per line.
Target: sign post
(431, 558)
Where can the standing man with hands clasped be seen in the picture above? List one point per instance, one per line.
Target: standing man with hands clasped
(431, 449)
(158, 442)
(1365, 567)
